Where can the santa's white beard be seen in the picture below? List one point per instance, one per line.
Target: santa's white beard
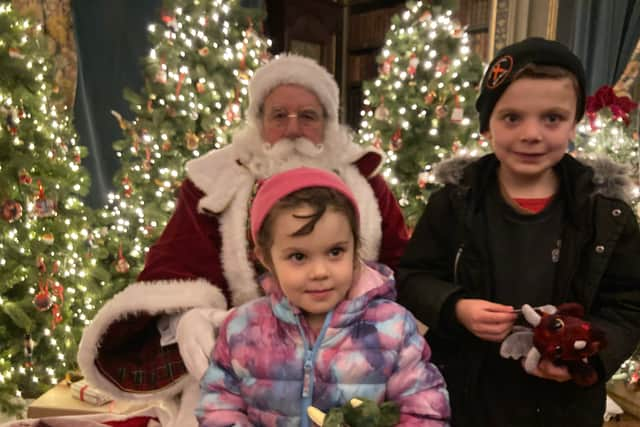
(267, 159)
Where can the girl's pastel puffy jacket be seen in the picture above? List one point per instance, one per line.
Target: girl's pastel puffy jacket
(267, 367)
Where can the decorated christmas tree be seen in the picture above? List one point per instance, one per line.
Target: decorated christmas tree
(44, 289)
(420, 109)
(203, 55)
(611, 128)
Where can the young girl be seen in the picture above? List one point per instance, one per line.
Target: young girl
(327, 329)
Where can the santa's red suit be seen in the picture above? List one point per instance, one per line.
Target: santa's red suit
(202, 260)
(203, 257)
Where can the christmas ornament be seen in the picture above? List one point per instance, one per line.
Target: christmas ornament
(413, 64)
(11, 210)
(146, 163)
(43, 207)
(386, 65)
(192, 141)
(161, 76)
(27, 345)
(204, 51)
(15, 53)
(42, 300)
(396, 139)
(42, 267)
(426, 15)
(48, 238)
(127, 187)
(430, 97)
(243, 76)
(55, 267)
(24, 177)
(441, 111)
(200, 88)
(170, 22)
(122, 265)
(166, 146)
(458, 113)
(377, 140)
(620, 106)
(12, 121)
(381, 113)
(443, 65)
(181, 78)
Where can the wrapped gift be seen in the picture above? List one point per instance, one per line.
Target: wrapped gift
(88, 393)
(625, 397)
(58, 402)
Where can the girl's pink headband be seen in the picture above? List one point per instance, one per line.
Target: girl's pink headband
(280, 185)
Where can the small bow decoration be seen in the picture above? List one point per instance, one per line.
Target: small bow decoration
(620, 106)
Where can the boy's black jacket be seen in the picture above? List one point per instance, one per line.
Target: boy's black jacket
(599, 267)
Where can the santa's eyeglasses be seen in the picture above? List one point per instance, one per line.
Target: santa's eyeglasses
(306, 118)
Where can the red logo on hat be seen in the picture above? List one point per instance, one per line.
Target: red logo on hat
(499, 72)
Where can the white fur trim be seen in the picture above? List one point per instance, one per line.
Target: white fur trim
(156, 297)
(236, 265)
(293, 69)
(370, 218)
(221, 185)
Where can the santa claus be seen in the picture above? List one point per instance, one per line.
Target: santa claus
(152, 340)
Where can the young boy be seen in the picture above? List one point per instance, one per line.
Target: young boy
(526, 224)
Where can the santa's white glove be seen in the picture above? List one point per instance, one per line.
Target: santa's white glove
(196, 333)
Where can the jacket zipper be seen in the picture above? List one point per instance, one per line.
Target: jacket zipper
(309, 359)
(455, 263)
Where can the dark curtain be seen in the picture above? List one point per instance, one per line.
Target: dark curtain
(112, 42)
(605, 35)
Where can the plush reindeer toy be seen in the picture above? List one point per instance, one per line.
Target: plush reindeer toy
(560, 335)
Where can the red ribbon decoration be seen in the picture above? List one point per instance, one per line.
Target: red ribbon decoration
(620, 106)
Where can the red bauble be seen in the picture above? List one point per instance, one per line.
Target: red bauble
(11, 210)
(42, 300)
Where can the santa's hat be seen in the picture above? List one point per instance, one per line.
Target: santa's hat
(298, 70)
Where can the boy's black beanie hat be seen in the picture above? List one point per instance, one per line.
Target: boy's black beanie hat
(509, 60)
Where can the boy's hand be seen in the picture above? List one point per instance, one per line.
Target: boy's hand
(548, 370)
(486, 320)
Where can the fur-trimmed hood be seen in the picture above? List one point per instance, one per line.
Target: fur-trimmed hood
(609, 179)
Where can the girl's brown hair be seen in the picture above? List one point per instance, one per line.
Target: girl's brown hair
(319, 199)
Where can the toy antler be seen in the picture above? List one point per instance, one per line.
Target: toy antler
(317, 416)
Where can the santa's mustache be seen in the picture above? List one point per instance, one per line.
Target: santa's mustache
(286, 147)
